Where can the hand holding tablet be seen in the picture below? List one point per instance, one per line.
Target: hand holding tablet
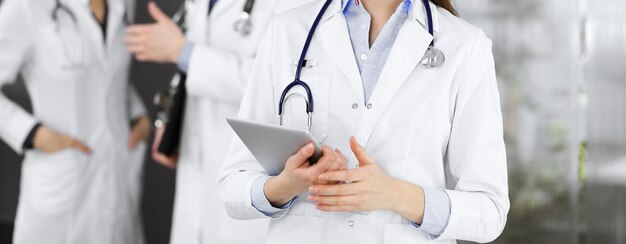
(272, 145)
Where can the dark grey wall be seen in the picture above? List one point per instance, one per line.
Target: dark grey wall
(159, 182)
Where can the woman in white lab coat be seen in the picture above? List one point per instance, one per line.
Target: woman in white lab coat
(80, 178)
(217, 60)
(420, 133)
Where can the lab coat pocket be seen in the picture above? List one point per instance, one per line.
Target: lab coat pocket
(305, 229)
(404, 234)
(49, 180)
(295, 106)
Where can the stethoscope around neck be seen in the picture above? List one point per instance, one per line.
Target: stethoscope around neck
(243, 24)
(432, 58)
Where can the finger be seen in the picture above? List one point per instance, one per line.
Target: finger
(135, 40)
(327, 160)
(80, 146)
(301, 156)
(325, 163)
(138, 30)
(335, 200)
(137, 49)
(156, 13)
(158, 135)
(143, 57)
(337, 208)
(133, 140)
(350, 175)
(359, 152)
(169, 162)
(340, 163)
(336, 189)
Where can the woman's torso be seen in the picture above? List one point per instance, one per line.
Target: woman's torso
(405, 125)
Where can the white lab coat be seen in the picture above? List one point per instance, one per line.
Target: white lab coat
(438, 128)
(219, 68)
(69, 197)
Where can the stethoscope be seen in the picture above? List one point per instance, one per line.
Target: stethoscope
(432, 58)
(73, 51)
(244, 25)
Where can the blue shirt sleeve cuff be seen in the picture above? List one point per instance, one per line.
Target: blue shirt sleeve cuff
(436, 212)
(260, 202)
(185, 56)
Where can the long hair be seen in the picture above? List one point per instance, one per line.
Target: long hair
(446, 4)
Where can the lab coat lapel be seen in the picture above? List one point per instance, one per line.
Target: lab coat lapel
(221, 7)
(115, 19)
(404, 58)
(92, 41)
(197, 20)
(336, 39)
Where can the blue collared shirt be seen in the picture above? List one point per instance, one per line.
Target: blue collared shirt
(371, 61)
(185, 56)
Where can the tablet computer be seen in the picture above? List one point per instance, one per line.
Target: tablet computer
(272, 145)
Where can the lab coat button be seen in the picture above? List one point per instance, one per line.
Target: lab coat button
(364, 56)
(355, 105)
(351, 223)
(369, 106)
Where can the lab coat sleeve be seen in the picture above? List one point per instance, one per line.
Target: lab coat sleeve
(475, 164)
(135, 104)
(15, 48)
(217, 74)
(240, 169)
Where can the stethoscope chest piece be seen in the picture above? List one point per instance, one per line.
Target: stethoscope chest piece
(243, 25)
(433, 58)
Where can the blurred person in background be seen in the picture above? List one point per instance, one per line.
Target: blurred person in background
(217, 57)
(83, 144)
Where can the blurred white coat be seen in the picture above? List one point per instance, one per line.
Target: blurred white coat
(218, 71)
(79, 86)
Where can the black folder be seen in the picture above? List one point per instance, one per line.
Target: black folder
(174, 125)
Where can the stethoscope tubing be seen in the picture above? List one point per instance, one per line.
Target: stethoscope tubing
(429, 15)
(297, 81)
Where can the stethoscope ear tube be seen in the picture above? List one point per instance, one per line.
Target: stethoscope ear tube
(284, 97)
(297, 81)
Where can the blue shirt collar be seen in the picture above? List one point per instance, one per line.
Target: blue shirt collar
(406, 5)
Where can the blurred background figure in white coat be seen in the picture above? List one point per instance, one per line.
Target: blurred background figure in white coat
(217, 58)
(81, 174)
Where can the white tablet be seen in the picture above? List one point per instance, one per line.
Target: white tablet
(272, 145)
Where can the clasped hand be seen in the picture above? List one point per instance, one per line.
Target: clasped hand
(333, 187)
(369, 188)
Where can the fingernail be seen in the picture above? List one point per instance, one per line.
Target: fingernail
(323, 177)
(309, 147)
(313, 189)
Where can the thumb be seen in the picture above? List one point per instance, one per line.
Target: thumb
(301, 156)
(156, 13)
(360, 153)
(80, 146)
(133, 140)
